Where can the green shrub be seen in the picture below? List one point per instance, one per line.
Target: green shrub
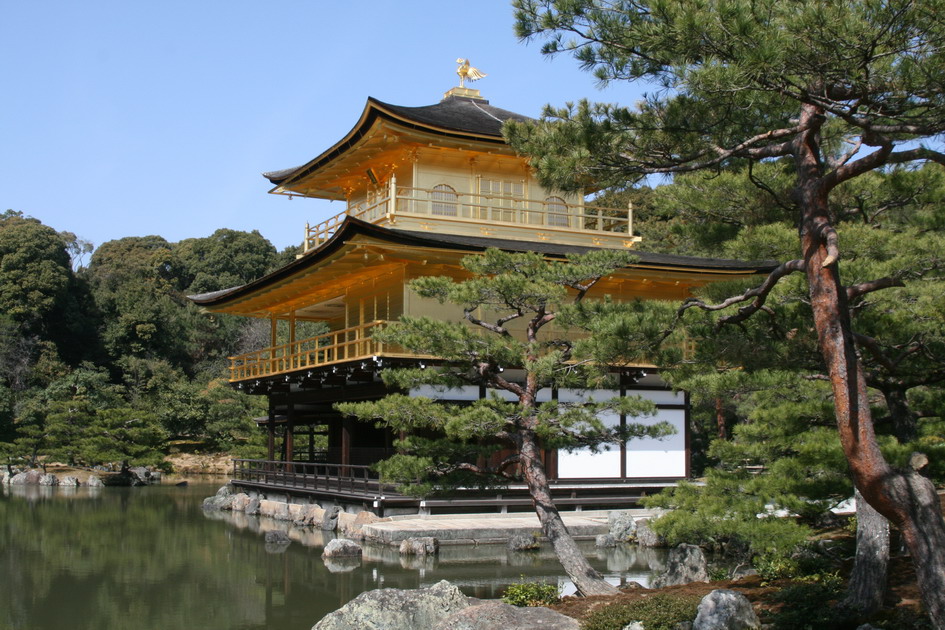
(717, 574)
(531, 593)
(657, 612)
(809, 606)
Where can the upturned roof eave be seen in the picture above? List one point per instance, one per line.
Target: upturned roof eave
(352, 227)
(373, 110)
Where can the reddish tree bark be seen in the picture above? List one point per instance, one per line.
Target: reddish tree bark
(905, 498)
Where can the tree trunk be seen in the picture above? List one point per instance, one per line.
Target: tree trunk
(905, 498)
(905, 421)
(585, 578)
(867, 585)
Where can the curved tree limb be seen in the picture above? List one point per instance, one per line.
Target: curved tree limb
(759, 293)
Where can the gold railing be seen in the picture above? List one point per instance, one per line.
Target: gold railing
(484, 209)
(348, 344)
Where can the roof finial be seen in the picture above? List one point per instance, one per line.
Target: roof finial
(466, 71)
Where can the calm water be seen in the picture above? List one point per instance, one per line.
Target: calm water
(150, 558)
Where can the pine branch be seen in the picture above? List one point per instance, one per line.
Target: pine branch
(759, 293)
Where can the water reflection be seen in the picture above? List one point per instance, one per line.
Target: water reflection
(149, 557)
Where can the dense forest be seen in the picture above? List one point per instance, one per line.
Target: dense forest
(105, 360)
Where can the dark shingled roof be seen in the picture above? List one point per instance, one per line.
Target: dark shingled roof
(352, 227)
(459, 114)
(454, 115)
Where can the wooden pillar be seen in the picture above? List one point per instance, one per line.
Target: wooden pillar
(311, 443)
(345, 445)
(271, 427)
(289, 437)
(623, 425)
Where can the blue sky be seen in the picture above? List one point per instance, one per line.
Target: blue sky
(129, 118)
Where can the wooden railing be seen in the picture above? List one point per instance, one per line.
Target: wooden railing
(319, 477)
(348, 344)
(477, 208)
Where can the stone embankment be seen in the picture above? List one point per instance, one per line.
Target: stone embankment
(446, 529)
(128, 477)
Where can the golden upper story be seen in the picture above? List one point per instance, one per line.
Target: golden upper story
(445, 168)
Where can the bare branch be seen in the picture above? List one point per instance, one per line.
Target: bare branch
(870, 162)
(873, 346)
(759, 293)
(920, 153)
(856, 290)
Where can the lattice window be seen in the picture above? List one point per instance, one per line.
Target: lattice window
(501, 197)
(557, 211)
(444, 200)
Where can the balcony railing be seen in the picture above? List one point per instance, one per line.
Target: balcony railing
(548, 215)
(320, 477)
(348, 344)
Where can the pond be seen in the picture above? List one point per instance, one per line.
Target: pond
(149, 558)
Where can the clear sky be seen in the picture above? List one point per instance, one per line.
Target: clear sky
(129, 117)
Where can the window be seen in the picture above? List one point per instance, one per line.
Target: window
(557, 212)
(500, 198)
(443, 200)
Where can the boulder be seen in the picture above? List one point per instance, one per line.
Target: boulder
(278, 510)
(330, 519)
(495, 614)
(523, 542)
(646, 537)
(239, 502)
(309, 515)
(341, 548)
(724, 609)
(222, 500)
(397, 609)
(252, 508)
(634, 625)
(278, 537)
(5, 478)
(420, 546)
(141, 476)
(605, 540)
(622, 526)
(94, 482)
(49, 480)
(686, 564)
(351, 524)
(28, 478)
(69, 481)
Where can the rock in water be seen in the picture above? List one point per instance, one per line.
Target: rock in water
(49, 480)
(420, 546)
(69, 481)
(330, 519)
(28, 478)
(605, 540)
(94, 482)
(492, 615)
(239, 502)
(646, 537)
(396, 609)
(277, 537)
(686, 564)
(341, 548)
(523, 542)
(723, 609)
(622, 526)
